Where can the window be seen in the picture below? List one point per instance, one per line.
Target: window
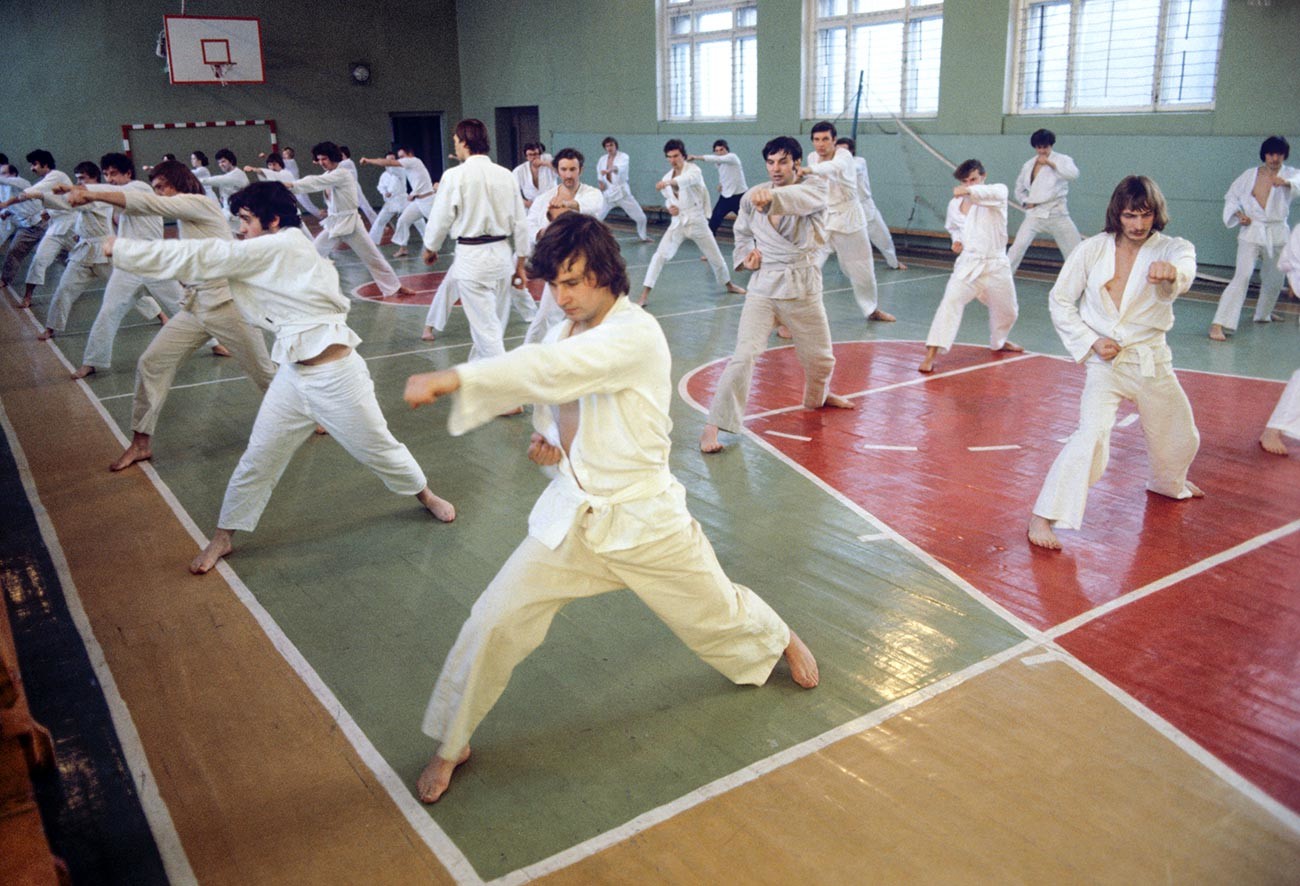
(1091, 56)
(708, 59)
(892, 46)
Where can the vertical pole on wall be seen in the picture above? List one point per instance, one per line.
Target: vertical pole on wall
(857, 102)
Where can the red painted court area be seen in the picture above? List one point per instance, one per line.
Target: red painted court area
(1215, 653)
(424, 286)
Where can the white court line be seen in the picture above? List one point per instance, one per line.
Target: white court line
(756, 770)
(888, 447)
(874, 536)
(1002, 448)
(446, 851)
(788, 436)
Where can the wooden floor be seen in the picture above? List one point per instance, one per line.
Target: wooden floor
(1125, 711)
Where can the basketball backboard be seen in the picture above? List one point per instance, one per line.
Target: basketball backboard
(214, 50)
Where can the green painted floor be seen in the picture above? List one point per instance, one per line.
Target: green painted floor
(612, 716)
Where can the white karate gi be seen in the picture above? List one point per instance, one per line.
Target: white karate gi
(523, 174)
(342, 224)
(981, 270)
(123, 286)
(877, 230)
(207, 311)
(1047, 191)
(58, 234)
(691, 197)
(786, 288)
(846, 226)
(731, 186)
(548, 313)
(363, 203)
(27, 226)
(416, 212)
(617, 190)
(1142, 372)
(202, 173)
(480, 199)
(280, 282)
(224, 184)
(86, 262)
(392, 187)
(1260, 241)
(613, 517)
(291, 167)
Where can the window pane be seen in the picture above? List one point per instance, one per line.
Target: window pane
(713, 67)
(747, 17)
(832, 7)
(1046, 52)
(876, 5)
(830, 71)
(747, 77)
(878, 50)
(713, 21)
(1115, 54)
(925, 40)
(679, 80)
(681, 24)
(1191, 52)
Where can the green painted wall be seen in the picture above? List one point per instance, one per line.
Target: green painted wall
(78, 69)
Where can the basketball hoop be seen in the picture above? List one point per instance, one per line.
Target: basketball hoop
(220, 69)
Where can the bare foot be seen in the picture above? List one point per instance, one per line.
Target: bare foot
(1011, 348)
(838, 402)
(139, 450)
(46, 335)
(1271, 318)
(1216, 333)
(734, 289)
(83, 372)
(427, 334)
(927, 365)
(321, 432)
(220, 351)
(645, 294)
(1196, 491)
(881, 317)
(401, 253)
(783, 331)
(704, 258)
(1272, 441)
(803, 667)
(402, 290)
(1041, 534)
(436, 777)
(709, 440)
(161, 318)
(216, 549)
(900, 267)
(439, 507)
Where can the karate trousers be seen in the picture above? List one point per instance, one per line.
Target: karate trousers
(727, 625)
(74, 280)
(46, 252)
(1167, 423)
(878, 234)
(696, 229)
(359, 240)
(340, 396)
(1061, 227)
(1271, 279)
(993, 286)
(806, 319)
(633, 209)
(119, 296)
(386, 214)
(548, 314)
(184, 334)
(1286, 415)
(23, 242)
(416, 213)
(853, 249)
(480, 276)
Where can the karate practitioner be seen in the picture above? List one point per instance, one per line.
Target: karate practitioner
(1259, 201)
(199, 166)
(779, 231)
(1042, 187)
(977, 222)
(612, 179)
(731, 182)
(230, 179)
(846, 225)
(1286, 416)
(123, 287)
(1112, 305)
(480, 205)
(291, 167)
(29, 223)
(273, 170)
(877, 230)
(570, 195)
(342, 225)
(363, 203)
(687, 199)
(419, 205)
(58, 236)
(535, 174)
(207, 309)
(392, 187)
(613, 516)
(277, 277)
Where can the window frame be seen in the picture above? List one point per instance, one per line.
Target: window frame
(665, 10)
(911, 11)
(1015, 82)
